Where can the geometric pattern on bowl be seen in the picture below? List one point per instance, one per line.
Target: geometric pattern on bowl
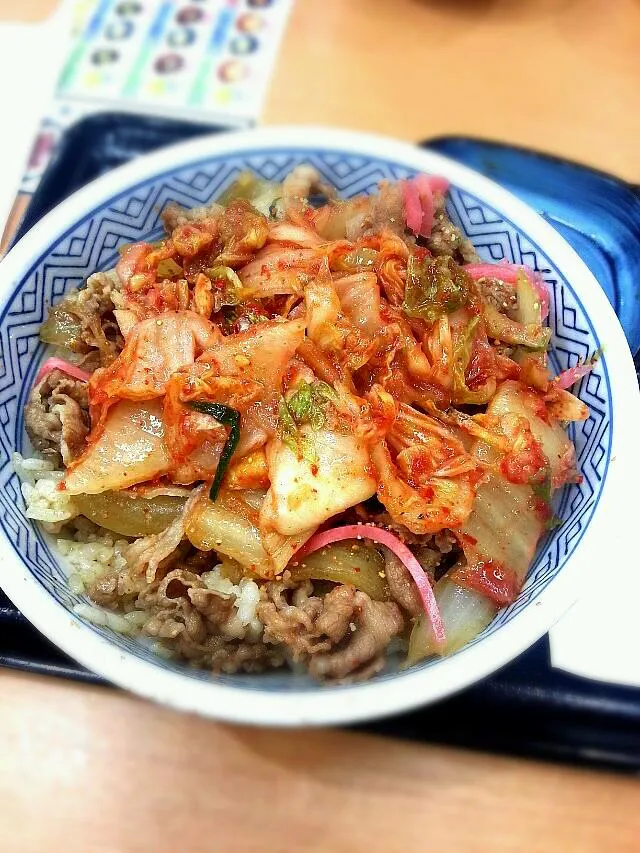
(134, 215)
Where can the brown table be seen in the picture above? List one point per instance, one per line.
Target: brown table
(90, 770)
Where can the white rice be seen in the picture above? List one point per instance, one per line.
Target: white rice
(95, 552)
(105, 618)
(85, 562)
(244, 624)
(30, 468)
(44, 502)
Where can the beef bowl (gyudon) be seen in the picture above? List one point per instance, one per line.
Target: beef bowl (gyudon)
(298, 429)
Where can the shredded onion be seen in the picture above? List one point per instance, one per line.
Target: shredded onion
(509, 273)
(569, 377)
(59, 364)
(384, 537)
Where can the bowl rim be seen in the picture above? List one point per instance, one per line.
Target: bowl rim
(374, 699)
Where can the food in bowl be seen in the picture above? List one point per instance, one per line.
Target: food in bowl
(301, 431)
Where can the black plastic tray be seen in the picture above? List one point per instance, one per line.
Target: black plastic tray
(527, 708)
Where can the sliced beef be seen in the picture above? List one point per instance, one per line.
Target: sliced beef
(500, 294)
(290, 619)
(436, 558)
(83, 320)
(402, 585)
(196, 637)
(385, 212)
(338, 607)
(178, 621)
(245, 657)
(57, 417)
(341, 635)
(190, 620)
(447, 239)
(377, 623)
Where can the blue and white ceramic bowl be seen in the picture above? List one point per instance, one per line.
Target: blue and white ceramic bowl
(83, 234)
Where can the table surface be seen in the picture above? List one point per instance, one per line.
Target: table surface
(90, 769)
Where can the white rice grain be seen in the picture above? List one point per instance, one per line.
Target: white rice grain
(217, 583)
(76, 584)
(117, 622)
(136, 618)
(87, 561)
(43, 501)
(105, 618)
(95, 615)
(244, 622)
(31, 468)
(246, 595)
(247, 601)
(161, 650)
